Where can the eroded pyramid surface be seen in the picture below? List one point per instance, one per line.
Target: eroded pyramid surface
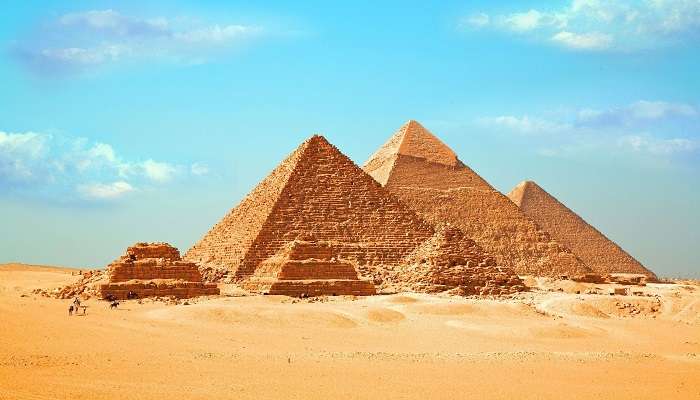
(601, 254)
(451, 261)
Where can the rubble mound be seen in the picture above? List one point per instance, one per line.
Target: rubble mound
(154, 269)
(427, 175)
(308, 268)
(449, 261)
(601, 254)
(86, 287)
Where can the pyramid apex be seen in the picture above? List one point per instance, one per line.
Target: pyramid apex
(413, 140)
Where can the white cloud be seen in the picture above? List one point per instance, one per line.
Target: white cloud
(524, 124)
(78, 41)
(113, 21)
(652, 129)
(85, 56)
(658, 146)
(216, 34)
(102, 191)
(586, 41)
(199, 169)
(479, 20)
(36, 162)
(158, 171)
(639, 113)
(595, 25)
(19, 153)
(526, 21)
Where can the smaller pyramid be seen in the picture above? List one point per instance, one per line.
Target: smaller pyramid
(154, 269)
(310, 268)
(449, 261)
(599, 253)
(427, 176)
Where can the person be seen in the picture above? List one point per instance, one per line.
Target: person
(70, 310)
(76, 303)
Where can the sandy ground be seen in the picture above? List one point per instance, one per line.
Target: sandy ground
(544, 345)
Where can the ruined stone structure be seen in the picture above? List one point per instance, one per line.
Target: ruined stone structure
(319, 193)
(154, 269)
(427, 175)
(601, 254)
(451, 261)
(309, 268)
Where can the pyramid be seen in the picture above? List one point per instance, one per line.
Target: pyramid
(601, 254)
(154, 269)
(309, 268)
(427, 175)
(319, 192)
(451, 261)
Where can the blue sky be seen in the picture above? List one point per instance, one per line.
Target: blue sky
(124, 122)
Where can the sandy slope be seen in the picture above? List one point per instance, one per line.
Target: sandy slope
(546, 345)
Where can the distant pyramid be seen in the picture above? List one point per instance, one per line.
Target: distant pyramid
(427, 175)
(601, 254)
(316, 192)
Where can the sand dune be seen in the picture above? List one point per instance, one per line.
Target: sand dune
(544, 344)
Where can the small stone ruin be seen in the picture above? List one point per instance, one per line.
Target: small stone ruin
(308, 268)
(450, 261)
(154, 270)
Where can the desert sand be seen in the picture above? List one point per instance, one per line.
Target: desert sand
(540, 344)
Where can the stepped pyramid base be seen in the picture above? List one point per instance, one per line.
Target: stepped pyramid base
(157, 288)
(311, 288)
(154, 270)
(307, 268)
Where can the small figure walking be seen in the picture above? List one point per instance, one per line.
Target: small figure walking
(76, 303)
(70, 310)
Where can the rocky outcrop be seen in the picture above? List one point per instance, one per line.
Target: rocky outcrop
(154, 269)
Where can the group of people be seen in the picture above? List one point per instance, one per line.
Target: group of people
(75, 306)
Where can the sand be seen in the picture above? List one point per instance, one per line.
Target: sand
(546, 344)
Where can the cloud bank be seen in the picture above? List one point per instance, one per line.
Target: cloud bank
(651, 129)
(73, 168)
(601, 25)
(79, 41)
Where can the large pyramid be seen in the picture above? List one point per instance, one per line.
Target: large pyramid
(316, 192)
(595, 249)
(427, 175)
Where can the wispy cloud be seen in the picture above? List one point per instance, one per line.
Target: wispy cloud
(78, 41)
(104, 191)
(651, 128)
(598, 25)
(75, 166)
